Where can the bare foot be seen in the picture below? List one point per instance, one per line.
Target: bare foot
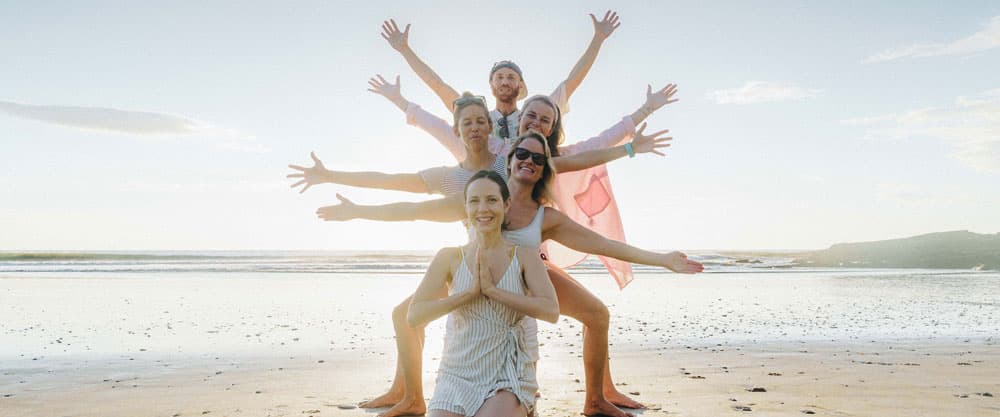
(386, 400)
(407, 407)
(621, 400)
(603, 408)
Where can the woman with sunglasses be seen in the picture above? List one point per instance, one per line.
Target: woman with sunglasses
(486, 288)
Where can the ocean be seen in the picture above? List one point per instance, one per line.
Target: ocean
(154, 304)
(355, 262)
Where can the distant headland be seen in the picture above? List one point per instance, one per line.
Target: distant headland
(959, 249)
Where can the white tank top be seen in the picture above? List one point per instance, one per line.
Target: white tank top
(530, 235)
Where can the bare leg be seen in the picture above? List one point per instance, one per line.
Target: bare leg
(409, 400)
(613, 395)
(504, 403)
(395, 393)
(575, 301)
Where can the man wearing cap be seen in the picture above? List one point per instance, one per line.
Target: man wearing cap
(506, 79)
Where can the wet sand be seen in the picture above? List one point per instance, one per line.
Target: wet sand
(300, 345)
(874, 379)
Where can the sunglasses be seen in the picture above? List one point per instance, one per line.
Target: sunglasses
(469, 99)
(504, 130)
(536, 158)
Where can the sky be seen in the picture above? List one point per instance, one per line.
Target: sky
(139, 126)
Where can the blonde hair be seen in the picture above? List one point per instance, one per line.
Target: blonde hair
(556, 137)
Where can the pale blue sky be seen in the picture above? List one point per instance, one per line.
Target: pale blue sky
(799, 125)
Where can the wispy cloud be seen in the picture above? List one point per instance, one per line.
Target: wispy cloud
(761, 92)
(130, 122)
(105, 119)
(971, 125)
(983, 40)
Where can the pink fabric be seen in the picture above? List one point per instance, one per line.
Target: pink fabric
(585, 196)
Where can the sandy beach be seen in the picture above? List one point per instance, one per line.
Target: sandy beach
(266, 345)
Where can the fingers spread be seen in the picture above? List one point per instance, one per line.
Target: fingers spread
(659, 133)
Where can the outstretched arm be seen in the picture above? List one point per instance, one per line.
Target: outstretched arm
(400, 41)
(318, 174)
(417, 116)
(444, 210)
(560, 228)
(540, 302)
(588, 159)
(388, 90)
(602, 30)
(622, 131)
(654, 101)
(431, 300)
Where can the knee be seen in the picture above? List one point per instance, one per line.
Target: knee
(399, 314)
(597, 317)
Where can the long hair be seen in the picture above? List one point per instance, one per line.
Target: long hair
(542, 191)
(556, 137)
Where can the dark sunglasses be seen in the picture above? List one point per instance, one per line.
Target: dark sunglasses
(504, 130)
(536, 158)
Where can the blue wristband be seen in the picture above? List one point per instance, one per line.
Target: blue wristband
(629, 150)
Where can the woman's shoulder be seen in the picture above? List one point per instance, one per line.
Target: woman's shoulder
(552, 217)
(451, 255)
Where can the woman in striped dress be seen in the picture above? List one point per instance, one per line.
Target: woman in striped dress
(485, 368)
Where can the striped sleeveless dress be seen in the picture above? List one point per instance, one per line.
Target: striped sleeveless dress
(484, 349)
(529, 236)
